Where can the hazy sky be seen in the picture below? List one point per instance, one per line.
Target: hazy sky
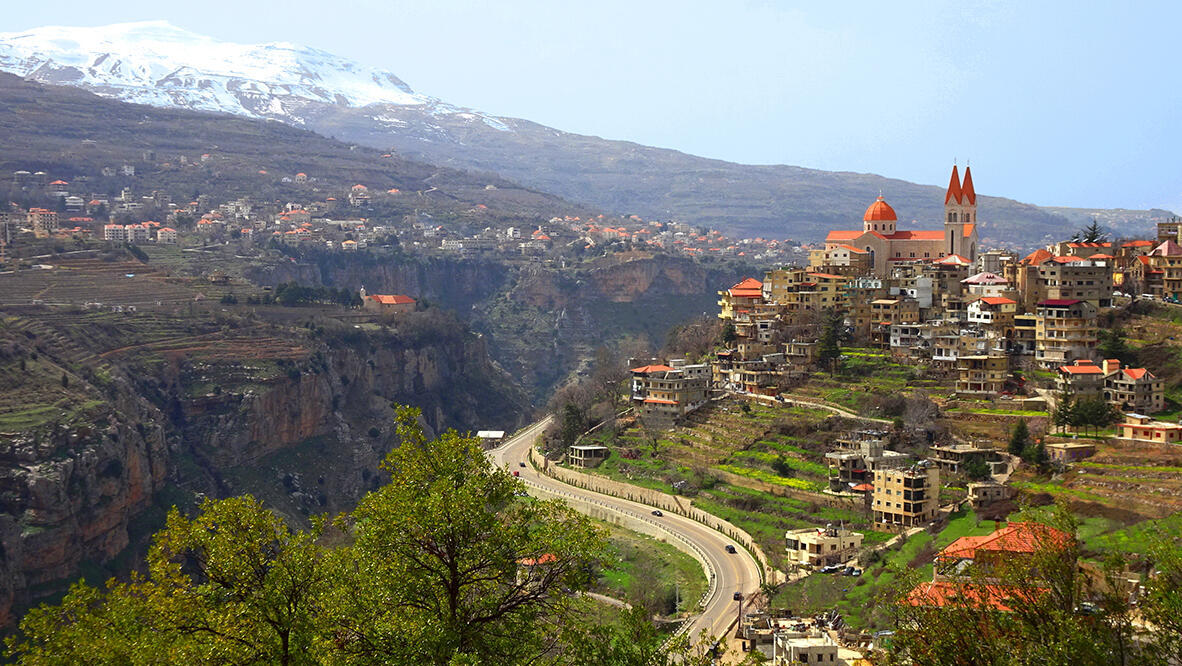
(1055, 103)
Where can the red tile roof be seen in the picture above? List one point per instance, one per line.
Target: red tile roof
(658, 401)
(1082, 368)
(834, 236)
(968, 228)
(1013, 538)
(392, 299)
(997, 300)
(880, 211)
(645, 369)
(917, 235)
(1137, 373)
(947, 593)
(1037, 257)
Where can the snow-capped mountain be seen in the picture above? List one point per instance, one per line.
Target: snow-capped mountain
(156, 63)
(162, 65)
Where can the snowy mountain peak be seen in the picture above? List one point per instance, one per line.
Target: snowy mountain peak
(157, 63)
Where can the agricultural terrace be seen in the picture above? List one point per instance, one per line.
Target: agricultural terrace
(759, 466)
(870, 382)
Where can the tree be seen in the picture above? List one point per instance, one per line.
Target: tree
(1093, 233)
(447, 562)
(1019, 438)
(233, 585)
(976, 469)
(1021, 610)
(446, 566)
(832, 334)
(634, 641)
(1113, 345)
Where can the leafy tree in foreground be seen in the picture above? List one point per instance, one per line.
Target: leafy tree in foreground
(233, 585)
(447, 562)
(446, 566)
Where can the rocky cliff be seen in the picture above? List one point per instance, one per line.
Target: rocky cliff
(300, 417)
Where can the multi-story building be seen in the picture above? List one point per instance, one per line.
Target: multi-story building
(992, 312)
(743, 296)
(887, 311)
(1163, 270)
(115, 232)
(663, 394)
(1065, 330)
(43, 221)
(1081, 379)
(982, 375)
(906, 497)
(819, 547)
(166, 236)
(1044, 276)
(858, 456)
(1137, 389)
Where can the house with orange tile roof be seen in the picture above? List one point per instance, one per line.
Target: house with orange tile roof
(885, 244)
(1135, 389)
(386, 303)
(1004, 547)
(663, 394)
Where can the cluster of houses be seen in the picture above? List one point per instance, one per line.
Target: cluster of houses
(935, 299)
(339, 222)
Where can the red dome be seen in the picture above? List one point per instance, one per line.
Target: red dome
(879, 211)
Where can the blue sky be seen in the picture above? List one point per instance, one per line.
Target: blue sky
(1054, 103)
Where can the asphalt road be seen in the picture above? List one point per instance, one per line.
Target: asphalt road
(735, 572)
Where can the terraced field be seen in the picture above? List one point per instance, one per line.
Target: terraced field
(110, 283)
(1125, 482)
(759, 466)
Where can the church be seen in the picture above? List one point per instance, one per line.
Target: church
(879, 244)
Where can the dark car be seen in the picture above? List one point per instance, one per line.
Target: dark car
(730, 549)
(522, 463)
(848, 571)
(657, 512)
(738, 596)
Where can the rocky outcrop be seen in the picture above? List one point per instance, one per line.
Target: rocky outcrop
(78, 495)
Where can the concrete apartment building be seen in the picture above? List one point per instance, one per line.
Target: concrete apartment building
(981, 375)
(662, 394)
(1065, 330)
(820, 547)
(906, 497)
(858, 456)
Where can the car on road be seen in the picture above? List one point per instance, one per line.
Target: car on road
(516, 473)
(737, 596)
(522, 463)
(851, 571)
(730, 549)
(832, 568)
(657, 513)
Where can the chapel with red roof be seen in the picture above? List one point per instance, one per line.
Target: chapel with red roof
(888, 245)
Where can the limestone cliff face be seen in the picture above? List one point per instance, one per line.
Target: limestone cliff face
(70, 494)
(77, 494)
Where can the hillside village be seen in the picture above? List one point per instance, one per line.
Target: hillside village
(344, 220)
(1021, 360)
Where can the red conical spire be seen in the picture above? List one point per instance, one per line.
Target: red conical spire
(954, 191)
(970, 196)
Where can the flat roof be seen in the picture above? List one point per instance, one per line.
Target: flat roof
(588, 447)
(490, 434)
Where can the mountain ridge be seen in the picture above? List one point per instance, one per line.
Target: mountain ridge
(336, 97)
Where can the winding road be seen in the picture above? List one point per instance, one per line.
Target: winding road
(730, 572)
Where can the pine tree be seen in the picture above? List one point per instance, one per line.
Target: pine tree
(1019, 438)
